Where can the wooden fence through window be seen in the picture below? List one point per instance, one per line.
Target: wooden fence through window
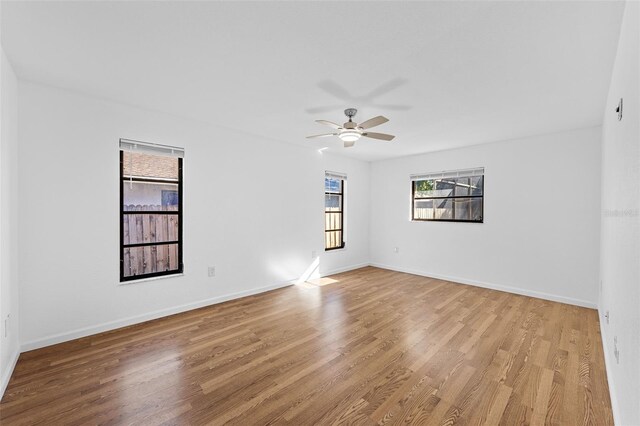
(150, 228)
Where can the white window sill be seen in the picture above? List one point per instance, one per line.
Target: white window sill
(335, 250)
(142, 280)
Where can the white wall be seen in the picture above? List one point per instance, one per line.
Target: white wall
(253, 208)
(9, 340)
(540, 234)
(620, 253)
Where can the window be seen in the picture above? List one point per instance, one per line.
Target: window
(456, 196)
(334, 210)
(150, 210)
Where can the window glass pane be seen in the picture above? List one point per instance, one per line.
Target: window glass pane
(333, 239)
(462, 208)
(476, 185)
(476, 209)
(435, 188)
(150, 259)
(149, 228)
(332, 185)
(333, 205)
(150, 196)
(445, 187)
(332, 202)
(159, 194)
(147, 165)
(443, 209)
(448, 198)
(423, 209)
(461, 187)
(332, 221)
(425, 188)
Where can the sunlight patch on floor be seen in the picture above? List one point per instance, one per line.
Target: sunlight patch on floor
(319, 282)
(311, 277)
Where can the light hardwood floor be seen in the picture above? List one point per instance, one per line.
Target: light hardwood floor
(367, 347)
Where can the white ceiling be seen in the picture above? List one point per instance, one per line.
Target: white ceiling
(446, 74)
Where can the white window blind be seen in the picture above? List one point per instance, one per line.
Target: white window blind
(335, 175)
(479, 171)
(151, 148)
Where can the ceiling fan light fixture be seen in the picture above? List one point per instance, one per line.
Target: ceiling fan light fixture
(349, 135)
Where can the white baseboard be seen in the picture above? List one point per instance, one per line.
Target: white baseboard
(6, 376)
(345, 269)
(609, 371)
(508, 289)
(112, 325)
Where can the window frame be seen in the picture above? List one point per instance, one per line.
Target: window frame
(341, 212)
(123, 246)
(414, 198)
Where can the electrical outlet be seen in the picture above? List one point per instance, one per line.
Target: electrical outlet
(212, 271)
(606, 315)
(314, 254)
(396, 249)
(6, 325)
(616, 351)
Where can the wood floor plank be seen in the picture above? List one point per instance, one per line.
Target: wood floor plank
(364, 347)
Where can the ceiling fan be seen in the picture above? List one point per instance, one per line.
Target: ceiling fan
(350, 131)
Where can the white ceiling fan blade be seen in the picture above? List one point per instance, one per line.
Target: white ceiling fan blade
(329, 123)
(372, 122)
(324, 135)
(349, 144)
(382, 136)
